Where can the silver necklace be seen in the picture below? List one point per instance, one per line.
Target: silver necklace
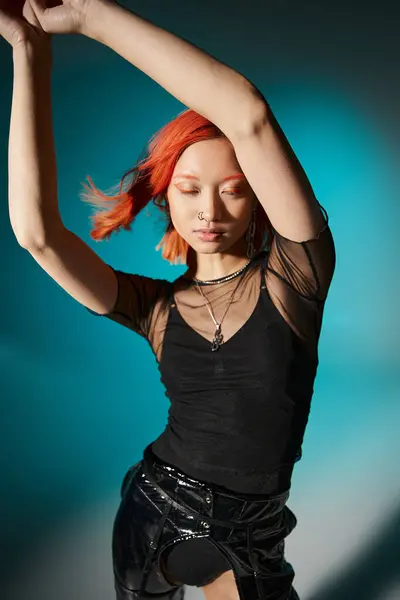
(218, 337)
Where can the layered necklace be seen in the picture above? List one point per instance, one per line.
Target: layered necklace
(218, 337)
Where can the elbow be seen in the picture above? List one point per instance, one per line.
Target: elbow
(27, 240)
(256, 117)
(30, 244)
(33, 242)
(42, 237)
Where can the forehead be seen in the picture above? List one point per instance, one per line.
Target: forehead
(208, 159)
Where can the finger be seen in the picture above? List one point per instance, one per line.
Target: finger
(38, 7)
(52, 19)
(43, 14)
(29, 14)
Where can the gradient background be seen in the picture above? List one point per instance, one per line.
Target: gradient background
(80, 396)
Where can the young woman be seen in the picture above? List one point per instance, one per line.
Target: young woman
(235, 337)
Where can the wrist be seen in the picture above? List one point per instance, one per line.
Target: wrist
(96, 17)
(38, 53)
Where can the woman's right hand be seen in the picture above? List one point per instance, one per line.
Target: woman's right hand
(19, 25)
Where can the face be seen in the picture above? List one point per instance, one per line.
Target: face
(208, 179)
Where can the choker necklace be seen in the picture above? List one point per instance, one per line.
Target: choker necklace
(221, 279)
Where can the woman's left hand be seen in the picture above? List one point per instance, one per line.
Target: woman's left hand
(62, 16)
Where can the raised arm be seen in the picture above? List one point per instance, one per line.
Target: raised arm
(200, 81)
(217, 92)
(225, 97)
(197, 79)
(33, 202)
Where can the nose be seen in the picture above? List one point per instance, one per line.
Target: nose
(211, 207)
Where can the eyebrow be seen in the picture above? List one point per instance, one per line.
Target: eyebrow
(234, 176)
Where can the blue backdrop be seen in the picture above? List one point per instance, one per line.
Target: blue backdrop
(80, 396)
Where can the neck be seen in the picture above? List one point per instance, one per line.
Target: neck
(214, 266)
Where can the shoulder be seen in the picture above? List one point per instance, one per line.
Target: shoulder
(145, 289)
(144, 280)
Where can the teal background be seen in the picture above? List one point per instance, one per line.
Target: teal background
(80, 395)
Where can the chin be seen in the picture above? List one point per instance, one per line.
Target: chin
(208, 247)
(209, 250)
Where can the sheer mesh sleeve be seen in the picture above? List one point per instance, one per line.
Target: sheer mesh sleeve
(137, 299)
(308, 266)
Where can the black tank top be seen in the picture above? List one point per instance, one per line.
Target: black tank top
(237, 416)
(233, 419)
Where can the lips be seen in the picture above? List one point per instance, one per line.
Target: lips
(208, 236)
(208, 231)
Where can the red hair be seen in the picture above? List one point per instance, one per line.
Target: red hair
(151, 178)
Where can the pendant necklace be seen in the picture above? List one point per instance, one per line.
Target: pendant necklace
(218, 337)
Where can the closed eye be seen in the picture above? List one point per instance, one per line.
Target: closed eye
(192, 192)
